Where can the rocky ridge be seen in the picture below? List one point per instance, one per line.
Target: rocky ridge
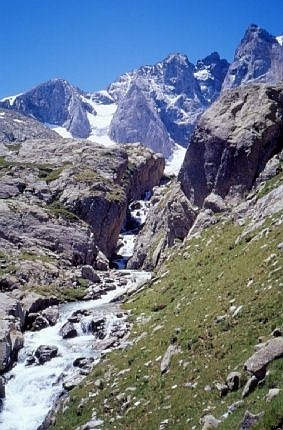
(233, 149)
(259, 58)
(156, 105)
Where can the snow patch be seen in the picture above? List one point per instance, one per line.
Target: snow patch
(100, 123)
(11, 99)
(280, 39)
(175, 161)
(202, 75)
(62, 131)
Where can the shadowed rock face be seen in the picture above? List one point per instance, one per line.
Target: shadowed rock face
(259, 58)
(210, 74)
(233, 142)
(54, 102)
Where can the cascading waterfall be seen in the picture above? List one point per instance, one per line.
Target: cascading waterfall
(32, 391)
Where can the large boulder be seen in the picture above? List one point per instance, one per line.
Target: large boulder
(45, 353)
(232, 143)
(259, 361)
(68, 331)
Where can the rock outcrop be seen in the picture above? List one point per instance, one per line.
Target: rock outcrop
(169, 220)
(63, 204)
(16, 128)
(233, 142)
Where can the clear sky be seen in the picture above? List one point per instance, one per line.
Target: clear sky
(92, 42)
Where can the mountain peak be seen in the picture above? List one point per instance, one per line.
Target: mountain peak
(254, 31)
(176, 58)
(257, 59)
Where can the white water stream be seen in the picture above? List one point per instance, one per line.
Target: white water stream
(32, 391)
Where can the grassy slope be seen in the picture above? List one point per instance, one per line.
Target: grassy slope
(207, 276)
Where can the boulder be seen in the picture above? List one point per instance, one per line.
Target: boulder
(89, 273)
(68, 330)
(51, 314)
(232, 143)
(72, 382)
(45, 353)
(214, 203)
(233, 381)
(222, 388)
(167, 357)
(273, 392)
(250, 420)
(83, 362)
(34, 303)
(250, 386)
(101, 262)
(259, 361)
(210, 422)
(39, 323)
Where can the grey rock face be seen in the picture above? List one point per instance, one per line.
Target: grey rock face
(259, 58)
(16, 128)
(11, 322)
(210, 74)
(233, 142)
(169, 220)
(172, 93)
(136, 120)
(54, 102)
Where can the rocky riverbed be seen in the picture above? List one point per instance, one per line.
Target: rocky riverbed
(57, 357)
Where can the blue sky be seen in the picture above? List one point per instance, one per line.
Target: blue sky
(92, 42)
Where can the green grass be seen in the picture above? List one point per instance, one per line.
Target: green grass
(271, 183)
(204, 279)
(27, 255)
(64, 294)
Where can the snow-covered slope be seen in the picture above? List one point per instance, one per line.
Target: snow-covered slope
(104, 108)
(280, 40)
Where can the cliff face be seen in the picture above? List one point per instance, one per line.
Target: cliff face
(232, 143)
(258, 58)
(235, 147)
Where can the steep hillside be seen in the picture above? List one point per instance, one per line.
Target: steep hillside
(201, 318)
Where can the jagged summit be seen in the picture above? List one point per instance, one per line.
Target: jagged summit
(258, 58)
(172, 95)
(210, 73)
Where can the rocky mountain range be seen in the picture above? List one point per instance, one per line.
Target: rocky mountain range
(157, 105)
